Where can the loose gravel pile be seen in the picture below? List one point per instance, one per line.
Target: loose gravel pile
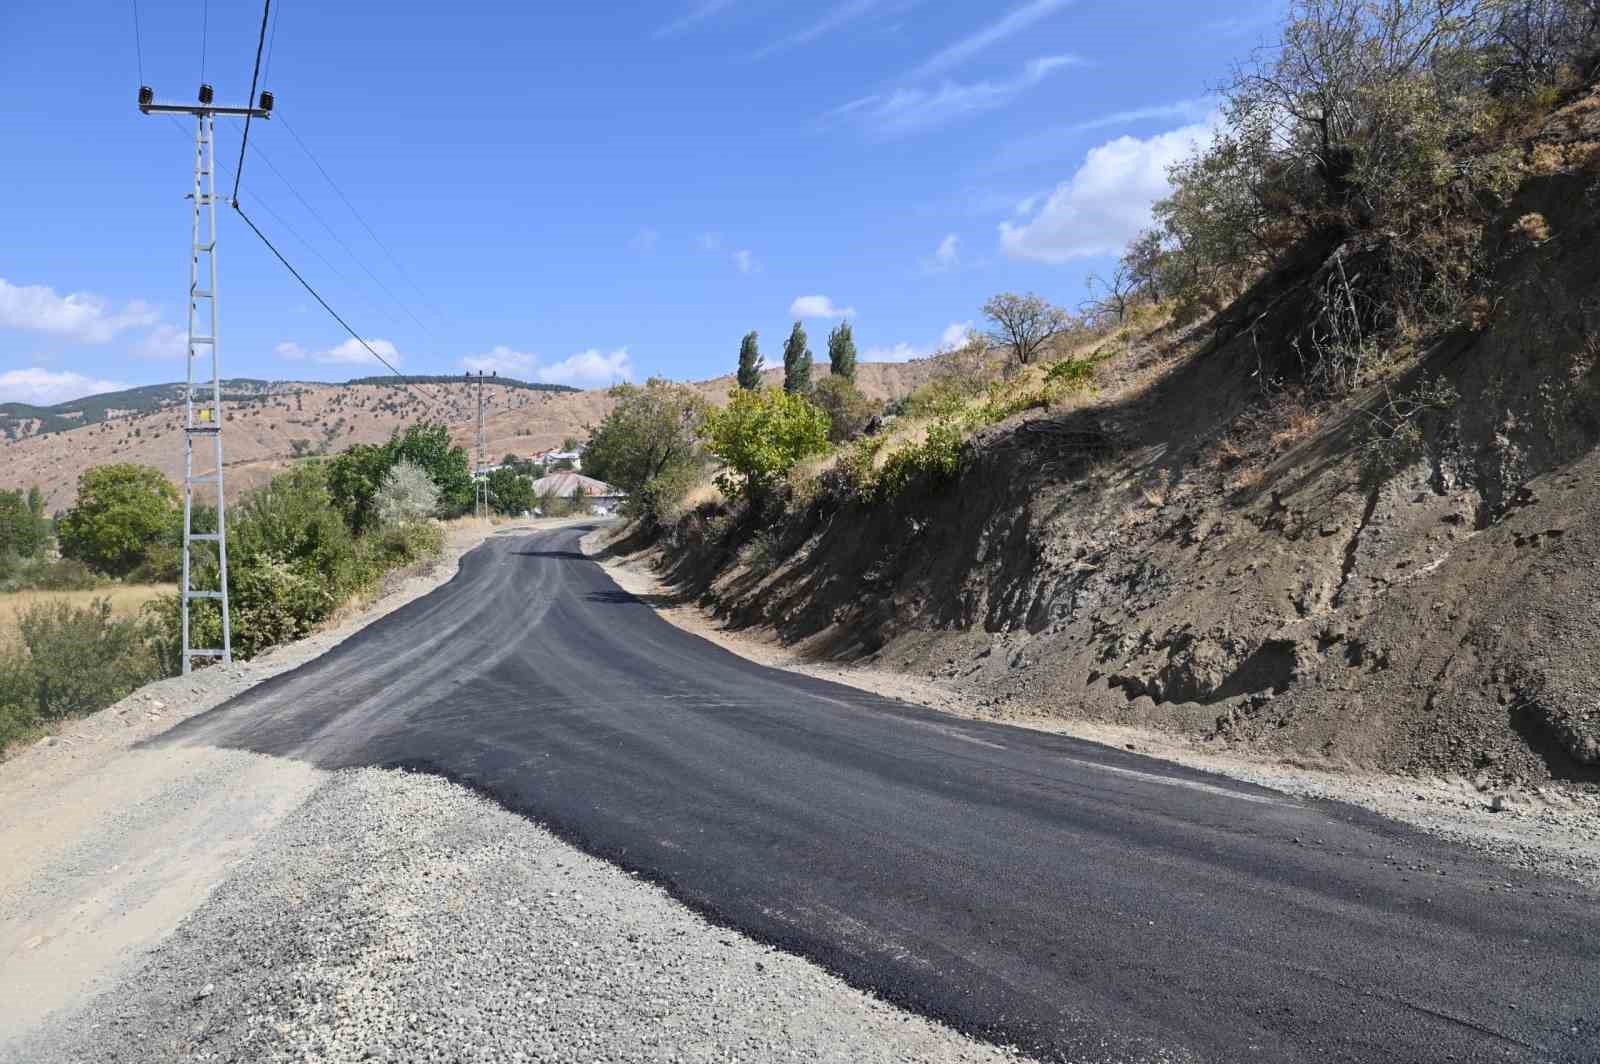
(399, 917)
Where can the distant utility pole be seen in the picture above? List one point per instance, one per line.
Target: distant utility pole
(203, 420)
(480, 505)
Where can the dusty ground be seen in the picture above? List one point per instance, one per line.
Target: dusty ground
(1550, 829)
(203, 904)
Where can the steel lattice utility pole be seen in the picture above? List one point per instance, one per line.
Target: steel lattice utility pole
(480, 479)
(203, 420)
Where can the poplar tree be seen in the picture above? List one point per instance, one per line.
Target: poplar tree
(750, 363)
(842, 352)
(796, 362)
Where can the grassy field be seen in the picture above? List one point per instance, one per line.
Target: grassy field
(126, 599)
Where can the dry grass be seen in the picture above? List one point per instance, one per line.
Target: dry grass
(1296, 423)
(126, 600)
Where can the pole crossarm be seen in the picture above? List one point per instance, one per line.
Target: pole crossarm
(203, 109)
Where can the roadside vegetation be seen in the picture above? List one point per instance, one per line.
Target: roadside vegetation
(1377, 140)
(94, 614)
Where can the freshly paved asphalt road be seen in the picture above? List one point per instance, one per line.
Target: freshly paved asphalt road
(1078, 901)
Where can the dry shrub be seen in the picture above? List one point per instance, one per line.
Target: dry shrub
(1246, 480)
(1533, 227)
(1546, 159)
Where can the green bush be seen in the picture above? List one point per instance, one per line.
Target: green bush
(936, 459)
(76, 660)
(45, 574)
(292, 561)
(761, 435)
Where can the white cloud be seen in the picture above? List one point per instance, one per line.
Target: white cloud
(710, 241)
(502, 359)
(818, 307)
(901, 352)
(44, 387)
(589, 369)
(1107, 201)
(79, 316)
(1037, 149)
(955, 334)
(644, 241)
(746, 261)
(947, 256)
(586, 369)
(351, 352)
(1013, 23)
(912, 110)
(164, 341)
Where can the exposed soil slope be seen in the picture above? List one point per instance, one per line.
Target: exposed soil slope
(1193, 553)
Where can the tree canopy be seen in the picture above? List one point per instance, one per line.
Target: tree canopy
(653, 431)
(796, 362)
(761, 435)
(750, 362)
(121, 511)
(842, 352)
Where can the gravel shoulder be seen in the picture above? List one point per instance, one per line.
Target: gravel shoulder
(397, 916)
(1552, 830)
(184, 902)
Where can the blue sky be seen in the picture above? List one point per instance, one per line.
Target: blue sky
(582, 192)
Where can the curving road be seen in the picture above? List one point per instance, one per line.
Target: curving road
(1081, 902)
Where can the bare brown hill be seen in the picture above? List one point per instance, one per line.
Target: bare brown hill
(265, 432)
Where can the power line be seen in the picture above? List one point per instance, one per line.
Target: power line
(138, 49)
(358, 217)
(335, 314)
(266, 72)
(340, 240)
(205, 33)
(238, 172)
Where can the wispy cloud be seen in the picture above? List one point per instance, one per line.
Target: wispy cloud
(45, 387)
(841, 15)
(1011, 24)
(818, 307)
(745, 260)
(913, 110)
(644, 241)
(947, 256)
(697, 13)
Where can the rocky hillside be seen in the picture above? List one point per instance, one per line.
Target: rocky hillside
(1404, 577)
(269, 424)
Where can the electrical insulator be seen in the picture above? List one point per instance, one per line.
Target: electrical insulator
(147, 96)
(205, 93)
(266, 101)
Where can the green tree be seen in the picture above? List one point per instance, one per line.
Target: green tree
(760, 435)
(428, 444)
(510, 492)
(842, 352)
(22, 532)
(750, 362)
(354, 478)
(796, 362)
(121, 511)
(651, 432)
(36, 502)
(847, 409)
(406, 495)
